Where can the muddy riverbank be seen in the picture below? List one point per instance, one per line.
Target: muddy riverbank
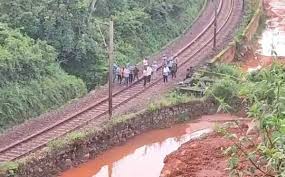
(144, 155)
(202, 158)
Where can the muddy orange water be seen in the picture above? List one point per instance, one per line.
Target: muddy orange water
(273, 36)
(143, 155)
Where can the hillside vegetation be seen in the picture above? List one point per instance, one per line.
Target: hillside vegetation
(52, 51)
(263, 93)
(30, 79)
(75, 31)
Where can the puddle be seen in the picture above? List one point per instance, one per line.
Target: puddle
(143, 155)
(273, 37)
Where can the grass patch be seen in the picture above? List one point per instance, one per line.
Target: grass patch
(264, 93)
(171, 99)
(9, 167)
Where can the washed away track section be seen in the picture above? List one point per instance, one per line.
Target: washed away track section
(197, 44)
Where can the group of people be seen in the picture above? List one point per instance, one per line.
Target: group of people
(128, 74)
(125, 74)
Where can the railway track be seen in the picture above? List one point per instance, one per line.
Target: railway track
(100, 108)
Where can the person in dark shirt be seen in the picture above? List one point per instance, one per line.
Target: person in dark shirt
(131, 78)
(190, 72)
(174, 69)
(136, 73)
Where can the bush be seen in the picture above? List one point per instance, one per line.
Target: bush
(20, 102)
(23, 59)
(224, 89)
(227, 70)
(31, 82)
(265, 93)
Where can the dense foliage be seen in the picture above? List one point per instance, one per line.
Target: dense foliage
(264, 92)
(74, 29)
(31, 81)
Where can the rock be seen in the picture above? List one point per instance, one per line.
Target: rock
(31, 170)
(68, 163)
(229, 125)
(194, 145)
(86, 157)
(253, 128)
(40, 170)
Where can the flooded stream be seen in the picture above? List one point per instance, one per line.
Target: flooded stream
(143, 155)
(273, 37)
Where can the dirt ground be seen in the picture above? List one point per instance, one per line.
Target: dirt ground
(251, 61)
(203, 158)
(198, 159)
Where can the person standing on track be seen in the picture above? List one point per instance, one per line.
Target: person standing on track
(165, 73)
(131, 68)
(149, 73)
(119, 75)
(154, 69)
(126, 73)
(174, 69)
(145, 76)
(122, 74)
(170, 63)
(136, 73)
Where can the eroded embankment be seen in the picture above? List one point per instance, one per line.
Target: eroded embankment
(203, 157)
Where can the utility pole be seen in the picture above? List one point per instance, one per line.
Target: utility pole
(215, 24)
(111, 55)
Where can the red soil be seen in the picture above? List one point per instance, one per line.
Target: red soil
(253, 61)
(202, 158)
(198, 159)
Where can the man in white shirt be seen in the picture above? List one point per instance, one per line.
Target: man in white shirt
(165, 73)
(149, 72)
(145, 76)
